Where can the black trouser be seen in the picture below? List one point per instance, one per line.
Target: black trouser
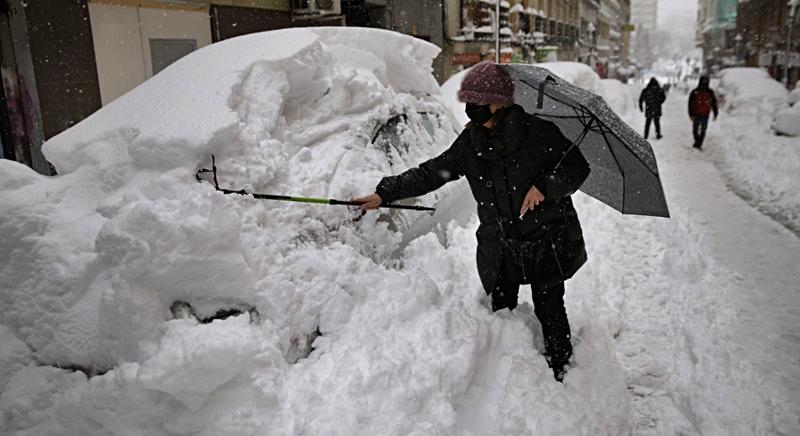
(548, 304)
(699, 125)
(656, 119)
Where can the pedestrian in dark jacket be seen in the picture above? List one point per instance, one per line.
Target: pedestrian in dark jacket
(521, 171)
(652, 97)
(702, 101)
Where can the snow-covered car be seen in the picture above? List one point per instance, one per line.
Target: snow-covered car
(794, 96)
(746, 90)
(787, 121)
(116, 268)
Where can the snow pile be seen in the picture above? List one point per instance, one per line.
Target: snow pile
(450, 97)
(761, 167)
(622, 97)
(751, 91)
(787, 121)
(794, 96)
(579, 74)
(758, 165)
(337, 325)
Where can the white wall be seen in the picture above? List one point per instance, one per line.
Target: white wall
(122, 33)
(118, 49)
(177, 24)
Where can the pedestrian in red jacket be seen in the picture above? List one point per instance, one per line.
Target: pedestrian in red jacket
(702, 101)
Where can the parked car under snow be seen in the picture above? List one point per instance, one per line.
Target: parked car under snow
(104, 250)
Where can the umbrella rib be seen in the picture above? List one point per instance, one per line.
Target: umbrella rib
(590, 125)
(655, 173)
(582, 117)
(576, 143)
(602, 128)
(561, 116)
(621, 170)
(600, 125)
(573, 106)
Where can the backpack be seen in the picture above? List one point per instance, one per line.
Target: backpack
(700, 102)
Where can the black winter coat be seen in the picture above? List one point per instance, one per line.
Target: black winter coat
(501, 165)
(653, 97)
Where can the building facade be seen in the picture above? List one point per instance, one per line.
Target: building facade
(594, 32)
(423, 19)
(763, 38)
(625, 28)
(716, 33)
(644, 18)
(63, 60)
(587, 41)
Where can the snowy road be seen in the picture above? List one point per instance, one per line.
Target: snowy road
(709, 333)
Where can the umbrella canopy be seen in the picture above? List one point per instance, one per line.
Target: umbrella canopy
(624, 171)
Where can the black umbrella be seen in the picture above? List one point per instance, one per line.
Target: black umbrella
(624, 171)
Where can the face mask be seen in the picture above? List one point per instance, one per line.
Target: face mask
(479, 114)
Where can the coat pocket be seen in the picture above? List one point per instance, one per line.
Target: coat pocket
(554, 252)
(529, 262)
(568, 252)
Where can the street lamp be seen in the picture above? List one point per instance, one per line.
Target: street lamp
(790, 24)
(497, 31)
(739, 53)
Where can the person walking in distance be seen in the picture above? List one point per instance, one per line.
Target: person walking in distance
(521, 170)
(652, 97)
(702, 101)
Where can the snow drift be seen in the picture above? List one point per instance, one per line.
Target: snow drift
(794, 96)
(758, 164)
(787, 121)
(622, 97)
(337, 325)
(577, 73)
(751, 91)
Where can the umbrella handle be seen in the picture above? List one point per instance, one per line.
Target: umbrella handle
(540, 98)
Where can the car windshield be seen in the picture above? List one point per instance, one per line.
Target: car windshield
(403, 131)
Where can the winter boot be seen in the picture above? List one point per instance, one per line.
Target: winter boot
(559, 371)
(549, 308)
(558, 358)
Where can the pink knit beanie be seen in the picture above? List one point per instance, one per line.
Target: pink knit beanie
(487, 83)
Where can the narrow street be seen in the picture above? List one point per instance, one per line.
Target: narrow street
(712, 314)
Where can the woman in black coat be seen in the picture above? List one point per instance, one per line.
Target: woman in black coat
(521, 171)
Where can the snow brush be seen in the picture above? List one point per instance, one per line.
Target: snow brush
(328, 201)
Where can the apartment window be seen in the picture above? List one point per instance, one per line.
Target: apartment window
(524, 23)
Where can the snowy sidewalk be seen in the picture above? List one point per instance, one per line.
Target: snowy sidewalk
(710, 334)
